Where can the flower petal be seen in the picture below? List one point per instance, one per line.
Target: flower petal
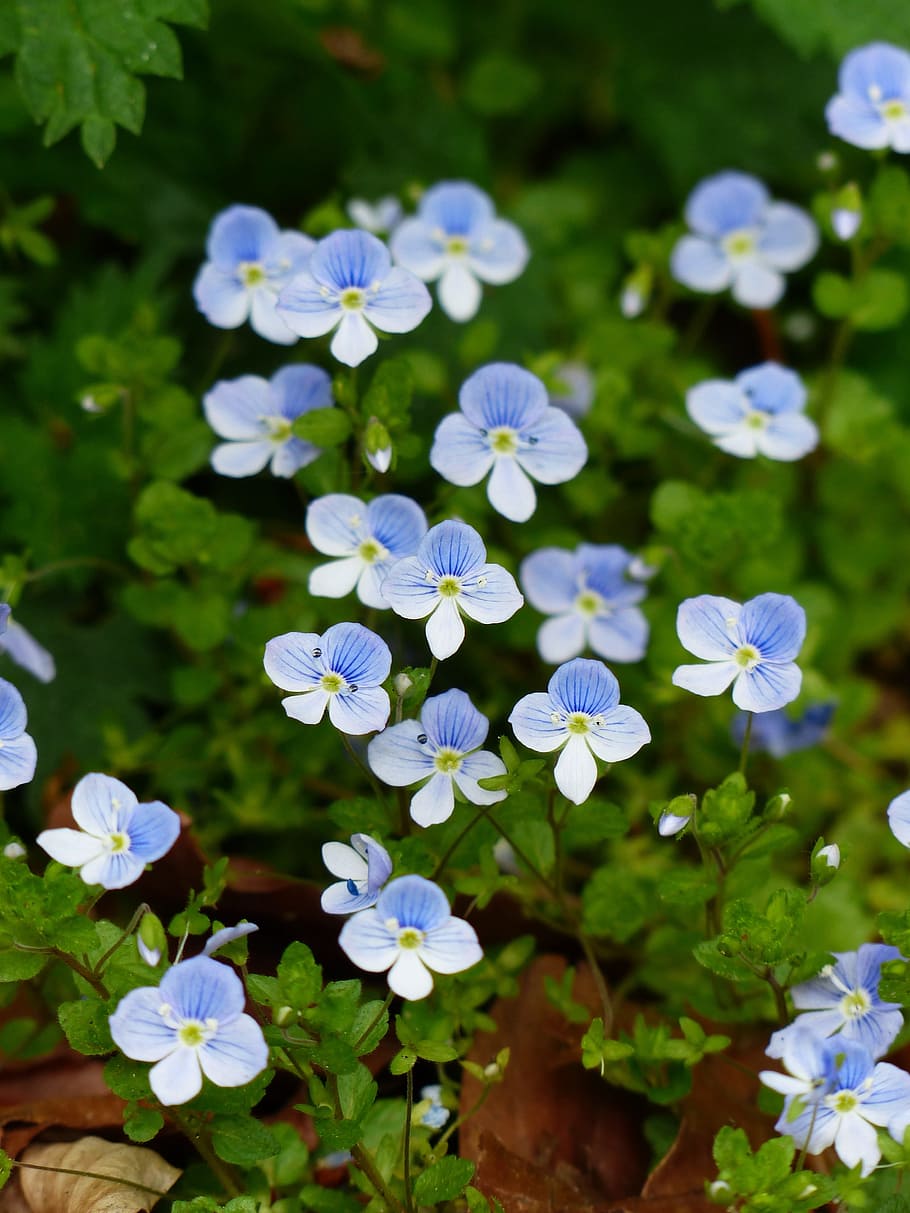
(202, 988)
(576, 770)
(177, 1078)
(407, 590)
(788, 437)
(237, 408)
(400, 304)
(726, 202)
(308, 708)
(434, 802)
(584, 685)
(509, 490)
(414, 246)
(18, 760)
(138, 1028)
(13, 717)
(452, 721)
(113, 870)
(503, 394)
(409, 977)
(857, 121)
(451, 947)
(532, 723)
(242, 458)
(291, 455)
(857, 1142)
(756, 285)
(344, 861)
(622, 734)
(773, 388)
(557, 452)
(700, 265)
(266, 320)
(562, 637)
(789, 238)
(355, 340)
(414, 901)
(899, 818)
(359, 655)
(551, 579)
(349, 258)
(445, 629)
(397, 522)
(460, 453)
(707, 626)
(619, 636)
(21, 646)
(241, 233)
(480, 765)
(338, 899)
(398, 758)
(459, 292)
(365, 711)
(153, 829)
(300, 388)
(235, 1054)
(710, 679)
(305, 309)
(717, 405)
(490, 595)
(336, 578)
(775, 624)
(498, 252)
(336, 524)
(368, 942)
(457, 207)
(70, 847)
(291, 662)
(97, 801)
(770, 685)
(221, 297)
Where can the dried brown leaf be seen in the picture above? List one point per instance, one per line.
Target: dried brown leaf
(59, 1191)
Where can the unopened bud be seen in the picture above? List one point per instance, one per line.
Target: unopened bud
(402, 683)
(151, 939)
(14, 850)
(827, 162)
(778, 806)
(824, 862)
(377, 445)
(847, 212)
(677, 815)
(283, 1016)
(719, 1191)
(636, 291)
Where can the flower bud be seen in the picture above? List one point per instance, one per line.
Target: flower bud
(14, 850)
(676, 816)
(719, 1191)
(377, 445)
(283, 1016)
(824, 862)
(151, 939)
(847, 212)
(636, 291)
(402, 683)
(778, 806)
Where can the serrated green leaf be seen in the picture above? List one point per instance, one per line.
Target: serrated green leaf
(444, 1180)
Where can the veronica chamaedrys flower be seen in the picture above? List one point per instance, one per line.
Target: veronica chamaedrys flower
(410, 932)
(441, 751)
(872, 108)
(117, 835)
(436, 1115)
(580, 715)
(742, 240)
(349, 284)
(342, 670)
(590, 599)
(573, 389)
(18, 755)
(760, 412)
(508, 429)
(449, 576)
(379, 217)
(455, 237)
(366, 541)
(364, 867)
(256, 415)
(776, 734)
(191, 1025)
(249, 261)
(898, 817)
(754, 646)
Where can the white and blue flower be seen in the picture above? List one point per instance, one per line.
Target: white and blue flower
(572, 389)
(364, 867)
(22, 648)
(872, 108)
(18, 754)
(379, 217)
(760, 412)
(436, 1114)
(898, 817)
(778, 735)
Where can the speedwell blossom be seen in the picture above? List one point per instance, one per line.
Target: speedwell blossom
(760, 412)
(754, 646)
(366, 540)
(778, 735)
(456, 237)
(191, 1025)
(507, 428)
(18, 755)
(437, 1113)
(249, 261)
(742, 240)
(573, 389)
(898, 817)
(364, 867)
(449, 576)
(579, 714)
(872, 108)
(379, 217)
(591, 600)
(410, 932)
(343, 670)
(349, 285)
(257, 415)
(21, 647)
(441, 751)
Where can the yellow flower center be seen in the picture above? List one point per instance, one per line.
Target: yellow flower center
(739, 244)
(456, 246)
(844, 1101)
(747, 657)
(371, 551)
(331, 683)
(410, 938)
(352, 299)
(855, 1004)
(449, 587)
(504, 440)
(588, 602)
(756, 420)
(578, 722)
(894, 110)
(252, 273)
(119, 842)
(447, 761)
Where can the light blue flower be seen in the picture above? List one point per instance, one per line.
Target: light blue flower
(754, 646)
(249, 261)
(440, 751)
(349, 285)
(455, 237)
(18, 755)
(508, 428)
(778, 735)
(872, 109)
(573, 389)
(218, 939)
(366, 541)
(437, 1114)
(591, 600)
(449, 576)
(580, 715)
(899, 818)
(343, 670)
(117, 835)
(743, 240)
(22, 648)
(364, 867)
(191, 1025)
(379, 217)
(410, 932)
(760, 412)
(256, 415)
(4, 616)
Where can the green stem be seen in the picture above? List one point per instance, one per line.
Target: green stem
(456, 843)
(113, 1179)
(456, 1124)
(124, 936)
(434, 666)
(599, 980)
(365, 1161)
(409, 1112)
(358, 762)
(747, 737)
(532, 868)
(83, 970)
(222, 1171)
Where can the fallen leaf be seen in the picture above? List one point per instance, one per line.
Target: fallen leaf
(59, 1191)
(68, 1091)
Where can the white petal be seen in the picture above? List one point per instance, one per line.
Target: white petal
(857, 1142)
(434, 802)
(713, 678)
(241, 458)
(460, 453)
(365, 711)
(308, 708)
(409, 977)
(354, 340)
(510, 491)
(757, 285)
(576, 770)
(177, 1078)
(266, 320)
(562, 638)
(336, 578)
(480, 765)
(459, 292)
(70, 847)
(342, 860)
(445, 629)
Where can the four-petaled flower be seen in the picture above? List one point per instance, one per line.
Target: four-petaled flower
(778, 735)
(350, 285)
(579, 714)
(441, 751)
(507, 427)
(872, 109)
(379, 217)
(456, 237)
(343, 670)
(437, 1113)
(450, 575)
(18, 755)
(760, 412)
(742, 240)
(410, 932)
(364, 867)
(754, 646)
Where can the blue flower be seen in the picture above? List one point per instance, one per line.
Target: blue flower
(117, 835)
(18, 755)
(366, 540)
(580, 714)
(350, 285)
(573, 389)
(440, 751)
(218, 939)
(507, 425)
(899, 818)
(22, 648)
(364, 867)
(191, 1025)
(256, 416)
(436, 1115)
(754, 646)
(379, 217)
(760, 412)
(742, 240)
(591, 600)
(778, 735)
(456, 237)
(250, 260)
(450, 575)
(343, 670)
(872, 109)
(5, 609)
(410, 932)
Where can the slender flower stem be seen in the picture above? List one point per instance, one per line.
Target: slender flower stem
(434, 666)
(600, 981)
(358, 762)
(456, 1124)
(201, 1142)
(83, 970)
(409, 1112)
(366, 1163)
(123, 937)
(802, 1154)
(747, 737)
(456, 843)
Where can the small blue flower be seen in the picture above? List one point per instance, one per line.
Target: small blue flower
(5, 609)
(579, 714)
(364, 867)
(437, 1114)
(760, 412)
(507, 426)
(257, 415)
(455, 237)
(872, 109)
(18, 755)
(573, 389)
(754, 646)
(22, 648)
(218, 939)
(899, 818)
(591, 600)
(191, 1025)
(778, 735)
(380, 217)
(343, 670)
(410, 932)
(742, 240)
(366, 541)
(349, 285)
(249, 261)
(440, 751)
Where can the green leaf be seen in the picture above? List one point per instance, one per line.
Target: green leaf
(86, 1026)
(128, 1079)
(142, 1124)
(444, 1180)
(243, 1140)
(300, 976)
(434, 1050)
(404, 1060)
(20, 966)
(6, 1167)
(323, 427)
